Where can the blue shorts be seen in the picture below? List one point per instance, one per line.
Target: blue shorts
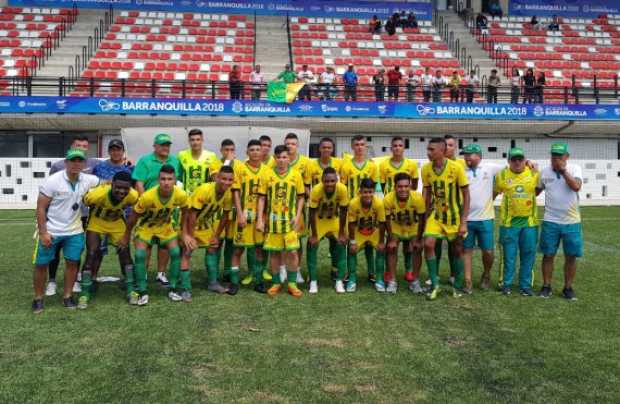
(481, 230)
(71, 246)
(569, 234)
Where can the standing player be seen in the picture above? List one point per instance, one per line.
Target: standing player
(249, 178)
(562, 221)
(106, 220)
(282, 202)
(265, 147)
(518, 231)
(204, 225)
(444, 183)
(195, 162)
(405, 219)
(328, 218)
(366, 217)
(155, 209)
(352, 172)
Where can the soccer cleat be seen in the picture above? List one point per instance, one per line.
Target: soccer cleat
(143, 300)
(351, 286)
(392, 287)
(267, 276)
(416, 288)
(433, 293)
(314, 287)
(409, 276)
(50, 290)
(457, 293)
(274, 290)
(69, 303)
(162, 279)
(260, 288)
(428, 282)
(216, 287)
(300, 278)
(467, 290)
(233, 288)
(340, 287)
(506, 291)
(526, 292)
(380, 286)
(82, 302)
(186, 296)
(283, 275)
(485, 281)
(37, 306)
(174, 296)
(133, 298)
(247, 280)
(77, 288)
(545, 292)
(295, 291)
(569, 294)
(372, 278)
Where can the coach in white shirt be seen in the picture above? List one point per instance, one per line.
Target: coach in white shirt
(562, 221)
(59, 224)
(480, 222)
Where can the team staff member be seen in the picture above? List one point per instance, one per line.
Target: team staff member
(59, 224)
(562, 221)
(518, 231)
(115, 163)
(195, 162)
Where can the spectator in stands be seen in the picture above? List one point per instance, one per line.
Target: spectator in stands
(349, 79)
(412, 21)
(529, 81)
(515, 86)
(390, 26)
(494, 83)
(379, 81)
(555, 24)
(234, 83)
(394, 77)
(307, 77)
(374, 26)
(454, 84)
(258, 82)
(471, 82)
(481, 21)
(539, 88)
(439, 83)
(495, 10)
(535, 24)
(287, 76)
(427, 84)
(326, 81)
(412, 83)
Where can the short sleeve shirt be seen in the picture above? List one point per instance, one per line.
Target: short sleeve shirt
(561, 202)
(147, 169)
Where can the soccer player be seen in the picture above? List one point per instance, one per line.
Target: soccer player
(397, 163)
(480, 222)
(405, 217)
(155, 209)
(518, 231)
(249, 178)
(328, 218)
(146, 176)
(106, 220)
(352, 172)
(265, 146)
(562, 221)
(59, 225)
(205, 223)
(446, 197)
(281, 203)
(366, 217)
(195, 162)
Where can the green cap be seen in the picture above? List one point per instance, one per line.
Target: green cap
(162, 138)
(75, 154)
(559, 148)
(472, 148)
(516, 152)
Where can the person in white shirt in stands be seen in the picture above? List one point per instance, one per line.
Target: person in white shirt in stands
(307, 77)
(480, 222)
(258, 82)
(439, 82)
(326, 81)
(413, 80)
(59, 225)
(562, 221)
(471, 83)
(427, 83)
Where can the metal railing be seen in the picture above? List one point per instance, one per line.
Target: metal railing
(290, 41)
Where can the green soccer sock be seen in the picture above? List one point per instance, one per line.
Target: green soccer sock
(431, 263)
(292, 277)
(341, 261)
(228, 253)
(275, 278)
(175, 267)
(129, 278)
(370, 261)
(352, 267)
(234, 275)
(380, 265)
(311, 259)
(258, 270)
(186, 280)
(408, 261)
(140, 270)
(86, 283)
(459, 269)
(212, 266)
(250, 257)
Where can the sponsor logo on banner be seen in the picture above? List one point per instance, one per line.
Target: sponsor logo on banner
(61, 104)
(539, 111)
(425, 110)
(600, 111)
(21, 104)
(106, 105)
(237, 107)
(382, 109)
(305, 107)
(329, 108)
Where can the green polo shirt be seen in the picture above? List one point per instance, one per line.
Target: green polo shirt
(147, 169)
(288, 76)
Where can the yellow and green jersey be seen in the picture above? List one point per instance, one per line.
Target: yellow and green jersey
(211, 205)
(388, 169)
(301, 164)
(518, 208)
(194, 172)
(404, 214)
(352, 174)
(156, 212)
(281, 193)
(104, 214)
(216, 165)
(316, 169)
(445, 188)
(328, 205)
(367, 219)
(248, 181)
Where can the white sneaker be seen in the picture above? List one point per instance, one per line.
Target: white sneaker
(174, 296)
(143, 300)
(300, 278)
(283, 275)
(314, 287)
(451, 280)
(416, 288)
(380, 286)
(392, 286)
(77, 288)
(351, 287)
(162, 279)
(428, 282)
(51, 289)
(340, 287)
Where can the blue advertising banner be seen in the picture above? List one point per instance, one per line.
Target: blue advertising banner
(161, 106)
(310, 8)
(564, 8)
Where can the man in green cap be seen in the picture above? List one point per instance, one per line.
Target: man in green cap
(480, 221)
(562, 221)
(146, 176)
(518, 232)
(288, 75)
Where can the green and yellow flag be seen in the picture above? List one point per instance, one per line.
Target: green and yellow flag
(279, 91)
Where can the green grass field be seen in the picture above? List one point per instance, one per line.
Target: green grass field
(363, 347)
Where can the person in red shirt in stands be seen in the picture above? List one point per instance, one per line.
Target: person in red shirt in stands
(394, 77)
(234, 83)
